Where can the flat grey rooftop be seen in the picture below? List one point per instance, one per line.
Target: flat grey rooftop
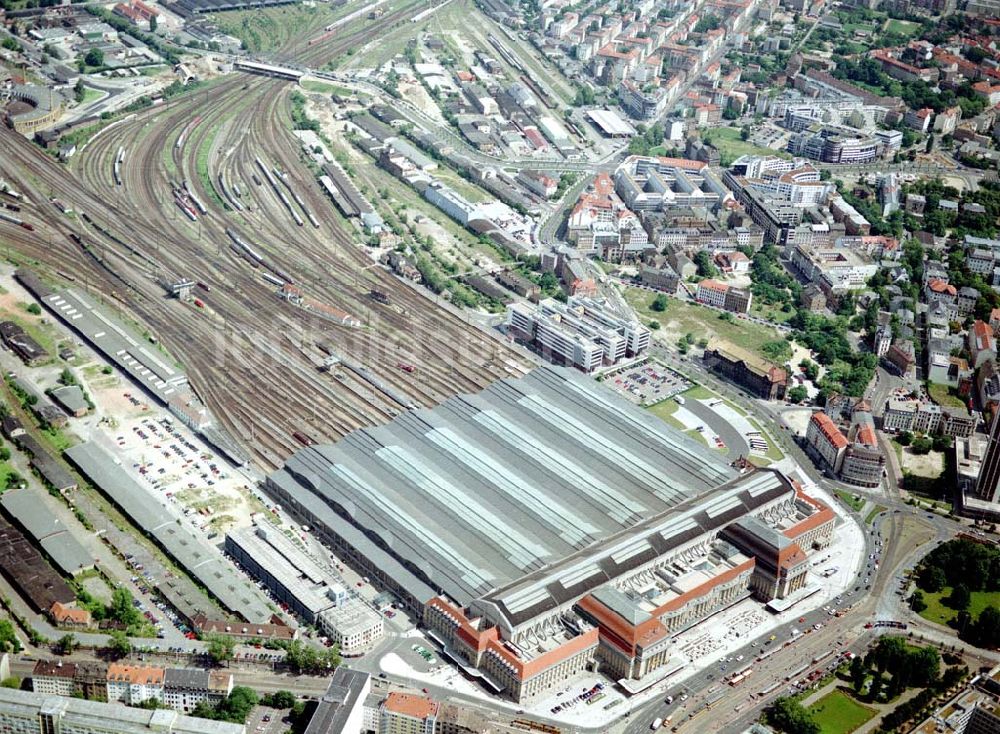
(202, 560)
(29, 507)
(130, 351)
(486, 489)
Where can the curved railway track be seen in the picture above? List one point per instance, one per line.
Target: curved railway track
(250, 355)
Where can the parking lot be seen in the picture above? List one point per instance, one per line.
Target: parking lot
(647, 383)
(266, 720)
(166, 457)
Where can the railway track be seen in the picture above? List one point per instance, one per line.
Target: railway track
(250, 356)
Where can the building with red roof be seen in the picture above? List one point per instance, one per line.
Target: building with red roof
(826, 439)
(403, 713)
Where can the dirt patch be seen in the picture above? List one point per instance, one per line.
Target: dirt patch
(926, 465)
(417, 95)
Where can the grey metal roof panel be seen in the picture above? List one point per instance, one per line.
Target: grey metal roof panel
(197, 556)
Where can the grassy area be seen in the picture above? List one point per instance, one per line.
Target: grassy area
(696, 435)
(90, 94)
(467, 189)
(58, 439)
(874, 513)
(682, 317)
(771, 313)
(902, 27)
(838, 713)
(265, 29)
(938, 611)
(731, 146)
(852, 501)
(699, 393)
(942, 395)
(665, 411)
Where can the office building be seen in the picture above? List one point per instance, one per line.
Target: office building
(582, 332)
(756, 375)
(988, 484)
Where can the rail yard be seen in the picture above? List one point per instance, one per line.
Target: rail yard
(158, 204)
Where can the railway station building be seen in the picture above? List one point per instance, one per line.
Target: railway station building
(546, 526)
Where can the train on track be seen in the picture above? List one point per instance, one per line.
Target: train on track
(16, 220)
(119, 159)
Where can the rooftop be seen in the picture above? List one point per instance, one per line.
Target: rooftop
(417, 707)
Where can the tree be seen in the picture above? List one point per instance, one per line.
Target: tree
(8, 638)
(932, 579)
(122, 608)
(942, 442)
(66, 644)
(917, 603)
(94, 57)
(236, 706)
(706, 267)
(119, 644)
(79, 91)
(220, 648)
(34, 309)
(960, 597)
(858, 674)
(153, 24)
(659, 303)
(986, 631)
(279, 700)
(810, 369)
(798, 394)
(791, 717)
(905, 438)
(921, 445)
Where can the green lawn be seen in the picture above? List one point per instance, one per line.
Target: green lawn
(943, 396)
(771, 313)
(699, 392)
(902, 27)
(90, 94)
(731, 146)
(665, 411)
(683, 317)
(874, 513)
(838, 713)
(938, 611)
(855, 503)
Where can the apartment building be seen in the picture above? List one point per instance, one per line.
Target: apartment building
(724, 296)
(185, 688)
(24, 712)
(403, 713)
(54, 678)
(134, 684)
